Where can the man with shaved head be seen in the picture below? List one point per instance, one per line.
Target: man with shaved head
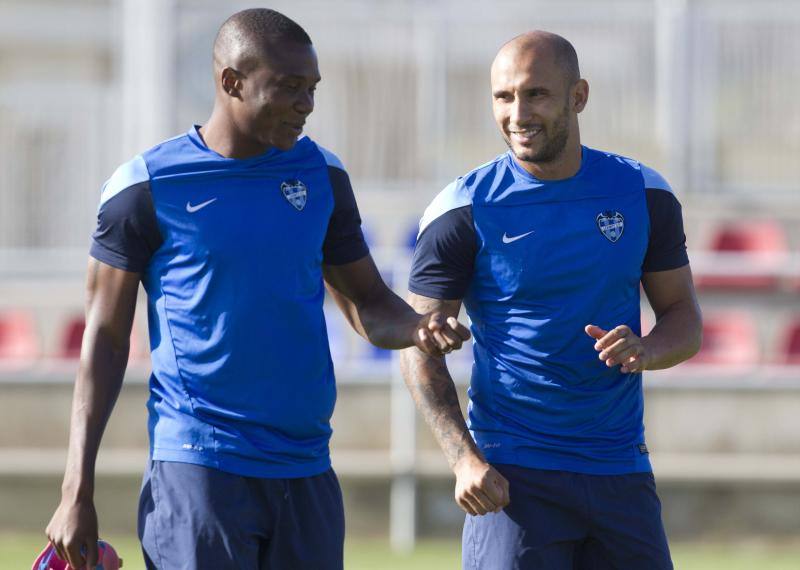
(232, 228)
(546, 246)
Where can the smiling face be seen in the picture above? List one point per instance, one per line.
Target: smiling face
(535, 101)
(274, 96)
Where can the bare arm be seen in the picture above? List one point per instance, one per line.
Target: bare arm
(676, 336)
(678, 332)
(383, 318)
(479, 487)
(110, 304)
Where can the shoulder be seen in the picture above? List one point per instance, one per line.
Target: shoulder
(129, 175)
(455, 195)
(171, 156)
(460, 192)
(330, 158)
(341, 187)
(651, 178)
(486, 174)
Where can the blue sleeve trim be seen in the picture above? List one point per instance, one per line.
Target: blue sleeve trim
(330, 158)
(654, 180)
(455, 195)
(444, 258)
(344, 240)
(132, 172)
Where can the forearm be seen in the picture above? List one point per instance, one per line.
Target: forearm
(676, 336)
(96, 389)
(436, 398)
(387, 321)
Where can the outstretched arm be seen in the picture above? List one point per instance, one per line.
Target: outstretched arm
(110, 305)
(383, 318)
(676, 336)
(479, 487)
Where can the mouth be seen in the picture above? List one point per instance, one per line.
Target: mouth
(525, 136)
(296, 128)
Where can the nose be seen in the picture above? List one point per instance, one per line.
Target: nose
(304, 103)
(516, 112)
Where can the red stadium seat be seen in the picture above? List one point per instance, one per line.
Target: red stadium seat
(140, 346)
(73, 337)
(756, 251)
(729, 338)
(18, 342)
(789, 347)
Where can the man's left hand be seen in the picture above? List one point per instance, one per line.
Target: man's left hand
(620, 346)
(437, 334)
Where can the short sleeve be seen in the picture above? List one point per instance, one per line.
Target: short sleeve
(444, 257)
(127, 232)
(344, 241)
(666, 248)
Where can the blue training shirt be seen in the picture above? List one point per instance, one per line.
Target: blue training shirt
(535, 261)
(231, 255)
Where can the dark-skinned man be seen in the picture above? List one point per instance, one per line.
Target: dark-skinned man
(232, 228)
(546, 246)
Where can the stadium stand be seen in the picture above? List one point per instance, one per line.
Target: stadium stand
(789, 345)
(72, 337)
(18, 343)
(755, 249)
(729, 339)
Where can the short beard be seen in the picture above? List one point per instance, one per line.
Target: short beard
(553, 146)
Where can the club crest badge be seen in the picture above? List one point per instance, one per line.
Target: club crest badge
(295, 193)
(611, 224)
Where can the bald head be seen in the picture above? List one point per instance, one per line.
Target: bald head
(249, 36)
(537, 94)
(540, 44)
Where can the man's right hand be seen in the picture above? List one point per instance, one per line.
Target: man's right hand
(480, 488)
(73, 533)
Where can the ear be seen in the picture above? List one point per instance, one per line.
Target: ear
(580, 95)
(231, 82)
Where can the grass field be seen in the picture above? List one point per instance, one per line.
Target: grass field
(17, 552)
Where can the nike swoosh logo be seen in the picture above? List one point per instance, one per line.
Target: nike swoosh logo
(192, 209)
(507, 239)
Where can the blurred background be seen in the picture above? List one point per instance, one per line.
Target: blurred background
(702, 90)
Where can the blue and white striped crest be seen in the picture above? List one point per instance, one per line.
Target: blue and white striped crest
(611, 225)
(295, 192)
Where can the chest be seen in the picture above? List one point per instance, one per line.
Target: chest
(245, 217)
(550, 250)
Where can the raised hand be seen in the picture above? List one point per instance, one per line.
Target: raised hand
(620, 346)
(437, 335)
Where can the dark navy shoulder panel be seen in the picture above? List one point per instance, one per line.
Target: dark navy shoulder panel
(666, 248)
(127, 232)
(444, 257)
(344, 241)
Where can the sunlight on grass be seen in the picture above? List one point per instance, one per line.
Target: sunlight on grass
(17, 552)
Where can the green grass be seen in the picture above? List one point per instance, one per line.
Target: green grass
(17, 552)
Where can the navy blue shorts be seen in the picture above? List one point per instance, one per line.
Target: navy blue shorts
(558, 520)
(199, 518)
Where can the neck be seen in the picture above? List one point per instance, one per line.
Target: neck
(565, 165)
(222, 136)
